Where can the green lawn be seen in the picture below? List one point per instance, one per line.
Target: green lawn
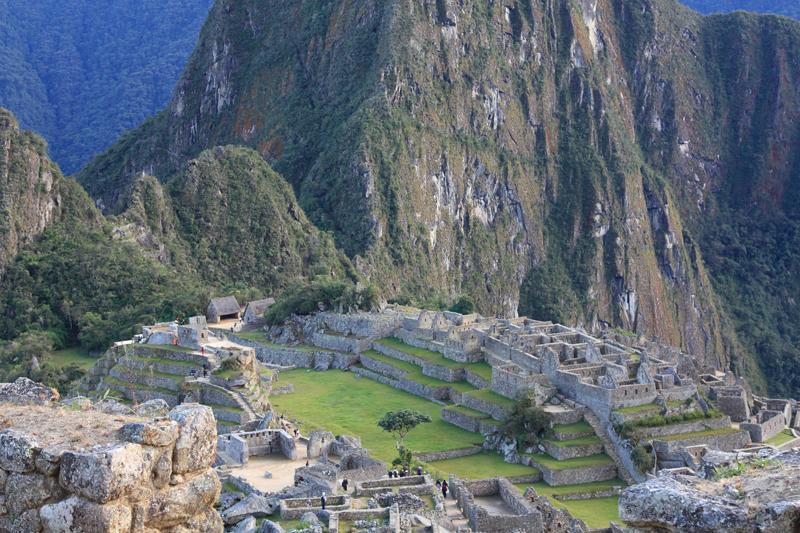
(414, 373)
(482, 369)
(554, 464)
(695, 434)
(592, 439)
(781, 438)
(167, 348)
(252, 336)
(482, 466)
(161, 360)
(492, 397)
(597, 512)
(577, 427)
(72, 356)
(228, 374)
(345, 404)
(638, 409)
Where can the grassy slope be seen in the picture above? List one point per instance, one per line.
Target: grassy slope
(482, 466)
(344, 404)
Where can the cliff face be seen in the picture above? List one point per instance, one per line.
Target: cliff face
(29, 188)
(557, 159)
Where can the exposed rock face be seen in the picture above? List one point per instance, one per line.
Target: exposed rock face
(760, 500)
(29, 187)
(145, 476)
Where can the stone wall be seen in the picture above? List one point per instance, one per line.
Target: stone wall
(340, 343)
(672, 450)
(684, 427)
(769, 424)
(155, 476)
(476, 380)
(287, 356)
(733, 402)
(464, 421)
(363, 324)
(563, 453)
(573, 476)
(380, 367)
(448, 454)
(523, 516)
(494, 410)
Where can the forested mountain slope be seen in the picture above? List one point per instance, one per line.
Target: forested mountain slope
(588, 161)
(81, 72)
(789, 8)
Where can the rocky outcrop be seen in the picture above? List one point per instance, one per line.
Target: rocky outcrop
(120, 473)
(26, 392)
(29, 188)
(761, 499)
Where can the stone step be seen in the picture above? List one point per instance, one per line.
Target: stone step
(573, 449)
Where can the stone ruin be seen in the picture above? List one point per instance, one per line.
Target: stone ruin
(72, 468)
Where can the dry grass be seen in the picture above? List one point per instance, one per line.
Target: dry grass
(60, 429)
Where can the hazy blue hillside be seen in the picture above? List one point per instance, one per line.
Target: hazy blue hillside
(81, 72)
(790, 8)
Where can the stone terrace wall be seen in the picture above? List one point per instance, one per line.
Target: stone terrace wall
(526, 518)
(772, 423)
(287, 356)
(157, 477)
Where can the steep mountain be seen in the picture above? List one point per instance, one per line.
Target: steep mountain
(568, 160)
(789, 8)
(29, 188)
(81, 72)
(71, 275)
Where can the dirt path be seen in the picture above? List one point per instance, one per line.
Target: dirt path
(281, 468)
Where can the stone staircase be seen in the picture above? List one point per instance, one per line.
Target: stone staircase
(615, 449)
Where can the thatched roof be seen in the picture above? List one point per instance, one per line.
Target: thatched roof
(227, 305)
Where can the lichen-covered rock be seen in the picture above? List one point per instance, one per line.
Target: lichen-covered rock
(105, 474)
(152, 409)
(248, 525)
(175, 505)
(76, 515)
(268, 526)
(27, 522)
(667, 504)
(26, 392)
(251, 505)
(17, 451)
(29, 491)
(207, 521)
(158, 433)
(196, 446)
(405, 502)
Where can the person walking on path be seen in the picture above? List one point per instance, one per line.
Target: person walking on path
(324, 500)
(444, 488)
(344, 484)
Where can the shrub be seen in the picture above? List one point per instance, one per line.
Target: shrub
(642, 456)
(527, 423)
(464, 305)
(321, 295)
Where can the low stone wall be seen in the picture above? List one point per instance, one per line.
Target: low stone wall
(588, 495)
(159, 366)
(563, 453)
(144, 350)
(567, 417)
(494, 410)
(295, 508)
(340, 343)
(438, 394)
(363, 324)
(418, 485)
(762, 432)
(158, 476)
(672, 450)
(464, 421)
(412, 339)
(572, 476)
(287, 356)
(380, 367)
(160, 382)
(476, 380)
(140, 395)
(524, 517)
(451, 375)
(684, 427)
(448, 454)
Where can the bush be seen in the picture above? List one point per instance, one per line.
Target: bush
(642, 456)
(527, 423)
(322, 295)
(464, 305)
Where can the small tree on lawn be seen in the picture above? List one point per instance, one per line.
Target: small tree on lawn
(399, 423)
(527, 423)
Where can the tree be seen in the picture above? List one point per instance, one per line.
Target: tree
(527, 422)
(400, 423)
(464, 306)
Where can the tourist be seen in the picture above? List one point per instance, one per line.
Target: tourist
(205, 369)
(296, 433)
(419, 470)
(306, 462)
(444, 488)
(344, 484)
(438, 484)
(324, 500)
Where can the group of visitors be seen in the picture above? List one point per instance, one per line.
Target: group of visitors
(404, 472)
(442, 485)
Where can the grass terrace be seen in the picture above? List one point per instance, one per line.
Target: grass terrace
(696, 434)
(482, 466)
(490, 396)
(543, 489)
(343, 403)
(414, 373)
(579, 462)
(583, 441)
(636, 409)
(167, 348)
(161, 360)
(467, 411)
(781, 438)
(577, 427)
(482, 369)
(596, 512)
(72, 356)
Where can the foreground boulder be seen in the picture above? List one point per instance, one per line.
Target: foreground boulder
(765, 498)
(84, 470)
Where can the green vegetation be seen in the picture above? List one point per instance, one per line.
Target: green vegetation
(596, 512)
(420, 353)
(66, 92)
(481, 466)
(526, 423)
(400, 423)
(72, 356)
(414, 373)
(788, 8)
(781, 438)
(582, 441)
(490, 396)
(331, 294)
(543, 489)
(345, 404)
(742, 467)
(577, 427)
(661, 420)
(699, 434)
(642, 456)
(636, 409)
